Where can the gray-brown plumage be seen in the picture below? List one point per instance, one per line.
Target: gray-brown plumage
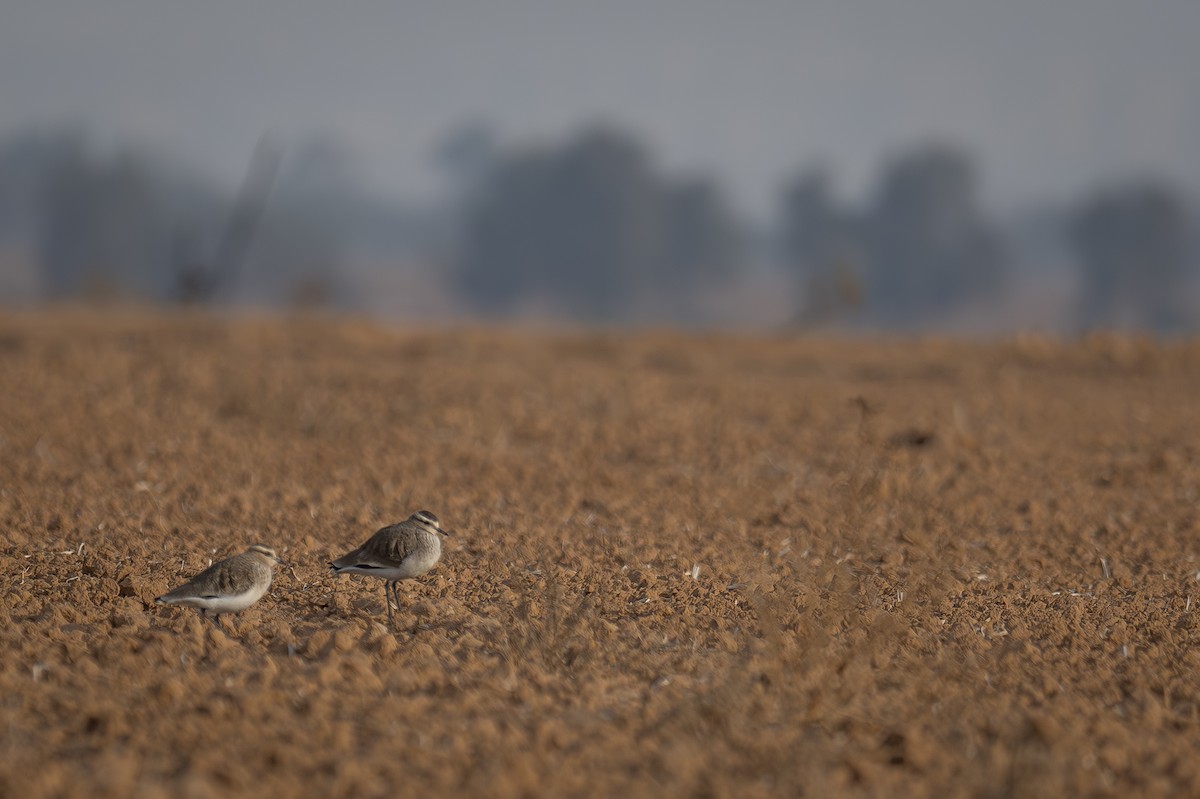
(396, 552)
(229, 586)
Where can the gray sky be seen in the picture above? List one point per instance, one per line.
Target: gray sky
(1050, 95)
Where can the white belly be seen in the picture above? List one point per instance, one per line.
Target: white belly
(230, 603)
(413, 566)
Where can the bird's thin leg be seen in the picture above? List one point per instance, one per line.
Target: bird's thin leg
(387, 599)
(203, 637)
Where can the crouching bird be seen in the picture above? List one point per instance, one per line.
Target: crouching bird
(228, 586)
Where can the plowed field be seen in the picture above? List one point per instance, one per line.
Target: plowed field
(698, 565)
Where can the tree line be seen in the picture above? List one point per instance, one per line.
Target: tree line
(588, 227)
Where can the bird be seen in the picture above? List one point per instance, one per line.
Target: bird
(396, 552)
(228, 586)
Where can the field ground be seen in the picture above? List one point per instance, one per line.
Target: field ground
(682, 565)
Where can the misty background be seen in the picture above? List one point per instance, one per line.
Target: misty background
(930, 165)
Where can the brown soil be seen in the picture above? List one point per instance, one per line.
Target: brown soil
(683, 565)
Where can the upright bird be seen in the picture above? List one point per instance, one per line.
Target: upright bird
(228, 586)
(396, 552)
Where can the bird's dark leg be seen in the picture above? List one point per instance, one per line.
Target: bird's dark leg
(387, 599)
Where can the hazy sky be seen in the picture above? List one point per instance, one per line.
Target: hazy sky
(1051, 95)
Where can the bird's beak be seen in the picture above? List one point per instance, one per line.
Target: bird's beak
(281, 561)
(445, 532)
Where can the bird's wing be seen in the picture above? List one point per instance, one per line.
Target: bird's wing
(218, 579)
(234, 575)
(203, 584)
(389, 546)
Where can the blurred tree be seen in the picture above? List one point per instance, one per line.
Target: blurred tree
(467, 153)
(501, 258)
(131, 224)
(602, 224)
(821, 243)
(591, 228)
(103, 228)
(1134, 247)
(66, 209)
(299, 254)
(929, 246)
(298, 259)
(27, 161)
(810, 221)
(199, 281)
(702, 236)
